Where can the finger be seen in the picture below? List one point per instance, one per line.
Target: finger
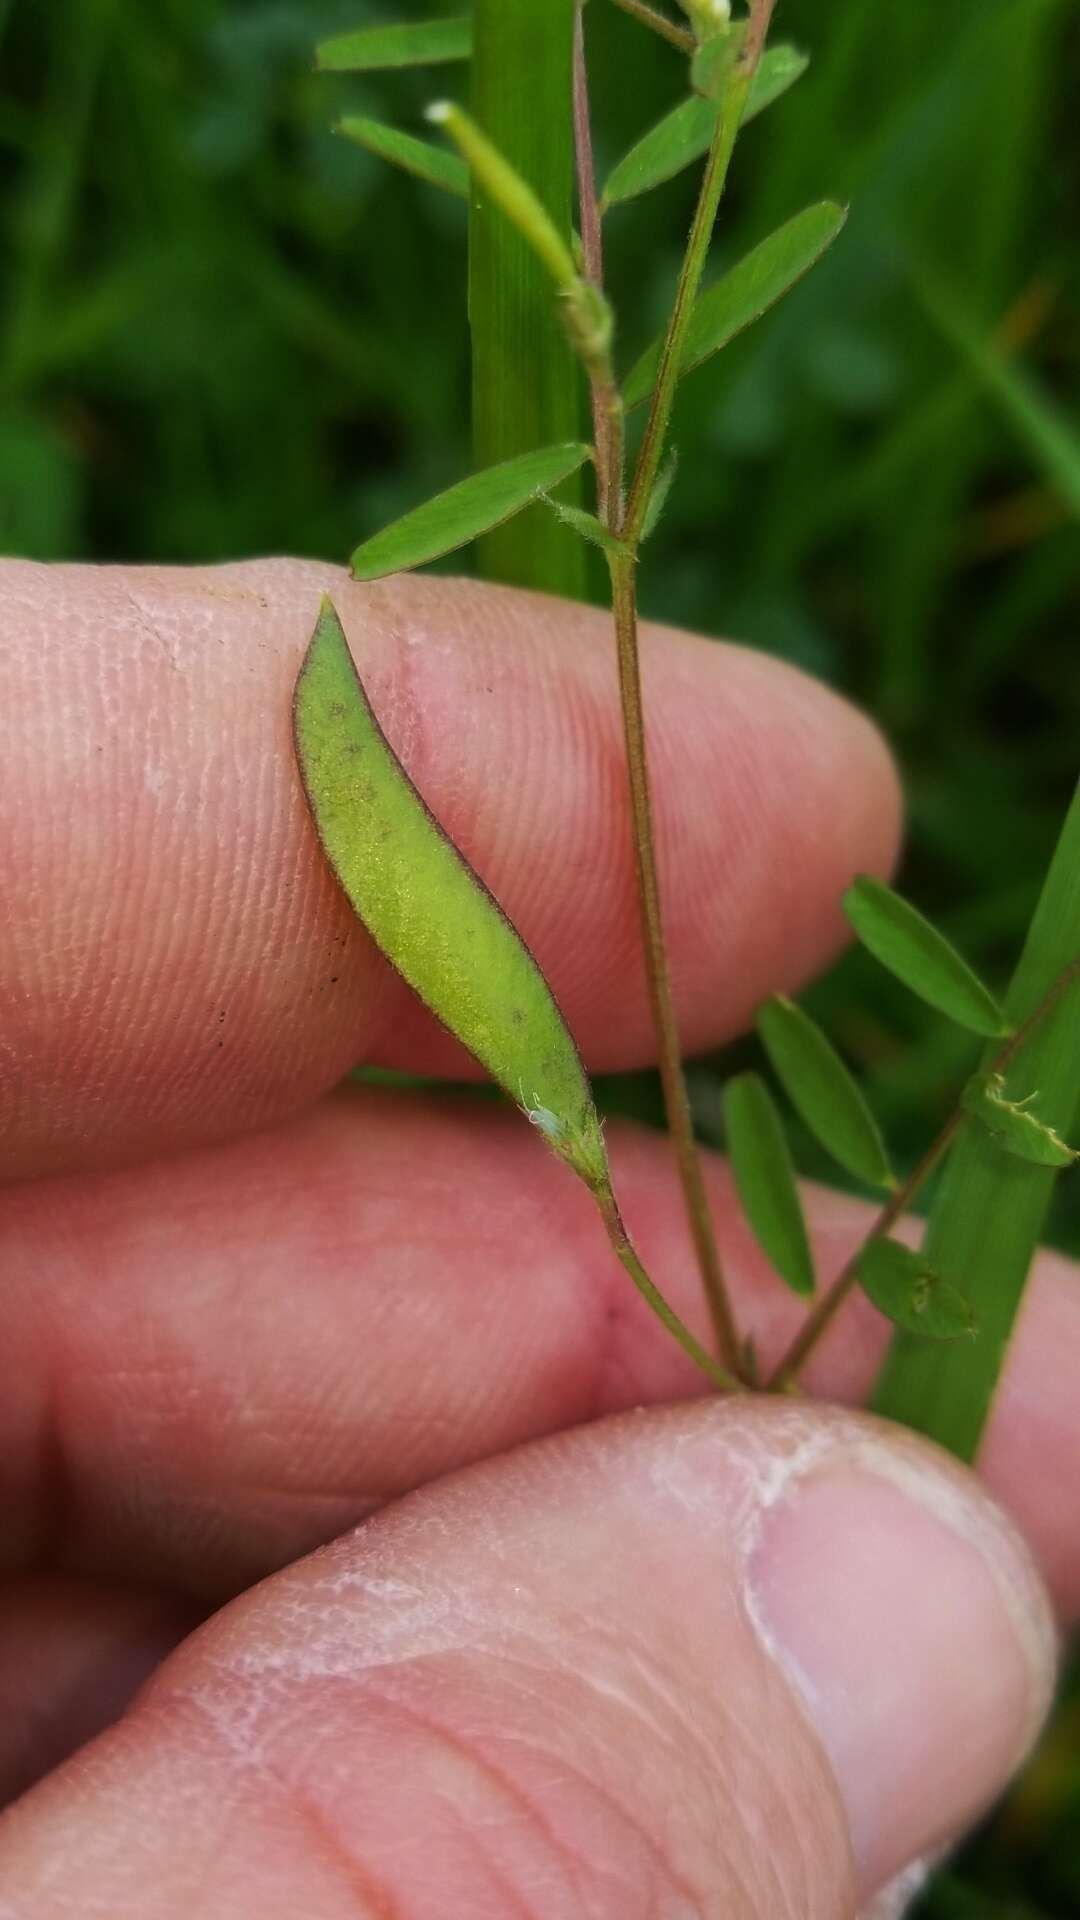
(216, 1362)
(72, 1653)
(176, 960)
(738, 1661)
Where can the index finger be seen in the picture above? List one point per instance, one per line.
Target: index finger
(176, 962)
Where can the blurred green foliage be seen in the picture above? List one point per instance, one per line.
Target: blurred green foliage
(225, 331)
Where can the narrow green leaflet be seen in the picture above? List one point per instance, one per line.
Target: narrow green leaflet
(765, 1179)
(685, 133)
(910, 1294)
(474, 506)
(751, 287)
(898, 935)
(1015, 1128)
(427, 910)
(433, 164)
(778, 69)
(823, 1092)
(587, 524)
(426, 43)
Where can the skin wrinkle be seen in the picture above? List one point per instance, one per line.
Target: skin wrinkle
(257, 1758)
(374, 1901)
(310, 1648)
(506, 1789)
(576, 1873)
(190, 1270)
(486, 1611)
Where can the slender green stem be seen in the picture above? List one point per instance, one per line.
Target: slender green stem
(693, 266)
(673, 1080)
(757, 32)
(627, 1254)
(829, 1305)
(678, 36)
(607, 413)
(1066, 978)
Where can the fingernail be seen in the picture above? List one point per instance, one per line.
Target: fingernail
(911, 1620)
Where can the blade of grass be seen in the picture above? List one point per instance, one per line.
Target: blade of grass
(47, 205)
(990, 1207)
(525, 383)
(1054, 445)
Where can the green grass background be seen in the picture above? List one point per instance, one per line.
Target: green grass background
(224, 331)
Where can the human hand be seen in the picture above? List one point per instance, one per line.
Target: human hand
(717, 1659)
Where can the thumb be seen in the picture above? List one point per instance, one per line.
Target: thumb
(732, 1659)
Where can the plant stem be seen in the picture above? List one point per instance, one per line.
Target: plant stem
(693, 266)
(626, 1253)
(607, 416)
(829, 1305)
(526, 387)
(678, 36)
(757, 32)
(672, 1078)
